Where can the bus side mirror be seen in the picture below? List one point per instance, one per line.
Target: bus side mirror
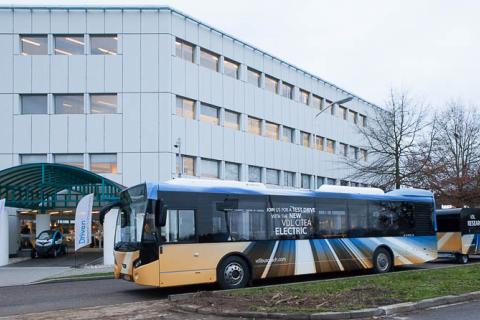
(160, 214)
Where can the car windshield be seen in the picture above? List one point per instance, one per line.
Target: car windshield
(45, 235)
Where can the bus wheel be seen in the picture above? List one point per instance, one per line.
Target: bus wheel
(233, 273)
(462, 258)
(382, 261)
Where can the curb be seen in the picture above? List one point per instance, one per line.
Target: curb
(354, 314)
(71, 279)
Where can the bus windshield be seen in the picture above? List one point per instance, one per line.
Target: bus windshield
(130, 221)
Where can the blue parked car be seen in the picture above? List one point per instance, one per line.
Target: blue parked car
(49, 244)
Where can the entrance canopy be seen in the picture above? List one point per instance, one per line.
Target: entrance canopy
(43, 186)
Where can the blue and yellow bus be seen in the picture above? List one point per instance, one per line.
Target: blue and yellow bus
(195, 231)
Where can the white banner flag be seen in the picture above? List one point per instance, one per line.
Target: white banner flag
(3, 234)
(83, 222)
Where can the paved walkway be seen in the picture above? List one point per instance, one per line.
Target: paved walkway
(140, 310)
(23, 271)
(12, 276)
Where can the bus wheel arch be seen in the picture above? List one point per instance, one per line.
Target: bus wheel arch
(238, 266)
(383, 259)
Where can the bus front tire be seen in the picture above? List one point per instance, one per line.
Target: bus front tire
(233, 273)
(382, 261)
(462, 258)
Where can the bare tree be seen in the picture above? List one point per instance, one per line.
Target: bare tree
(453, 169)
(391, 142)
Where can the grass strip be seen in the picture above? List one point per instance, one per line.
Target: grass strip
(349, 293)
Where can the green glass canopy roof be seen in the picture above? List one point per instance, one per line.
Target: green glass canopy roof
(45, 186)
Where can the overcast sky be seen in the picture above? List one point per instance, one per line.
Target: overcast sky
(430, 47)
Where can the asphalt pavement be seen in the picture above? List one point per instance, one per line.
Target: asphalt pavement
(24, 299)
(460, 311)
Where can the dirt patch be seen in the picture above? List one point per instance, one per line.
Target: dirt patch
(366, 296)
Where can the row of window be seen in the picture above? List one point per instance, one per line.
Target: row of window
(72, 44)
(202, 219)
(232, 171)
(211, 114)
(210, 60)
(99, 162)
(68, 103)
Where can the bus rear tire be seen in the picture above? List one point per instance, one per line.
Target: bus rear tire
(233, 273)
(462, 258)
(382, 261)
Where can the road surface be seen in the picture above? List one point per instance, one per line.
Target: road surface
(16, 300)
(460, 311)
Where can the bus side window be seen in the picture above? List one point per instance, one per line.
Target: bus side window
(332, 218)
(358, 217)
(180, 226)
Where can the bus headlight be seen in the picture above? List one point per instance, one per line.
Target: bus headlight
(137, 263)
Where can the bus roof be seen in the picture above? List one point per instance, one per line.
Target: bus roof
(247, 188)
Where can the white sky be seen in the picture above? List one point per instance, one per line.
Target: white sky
(430, 47)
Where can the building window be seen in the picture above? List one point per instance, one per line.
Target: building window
(69, 104)
(232, 171)
(210, 169)
(363, 120)
(185, 108)
(230, 68)
(271, 84)
(354, 184)
(103, 103)
(354, 152)
(305, 139)
(363, 154)
(287, 90)
(254, 174)
(209, 60)
(103, 163)
(209, 114)
(343, 149)
(304, 96)
(104, 44)
(320, 181)
(317, 102)
(253, 77)
(288, 134)
(273, 177)
(69, 45)
(34, 103)
(329, 104)
(255, 126)
(331, 181)
(232, 120)
(75, 160)
(289, 179)
(33, 158)
(330, 146)
(272, 130)
(319, 142)
(344, 183)
(305, 181)
(184, 50)
(343, 112)
(34, 45)
(353, 116)
(188, 165)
